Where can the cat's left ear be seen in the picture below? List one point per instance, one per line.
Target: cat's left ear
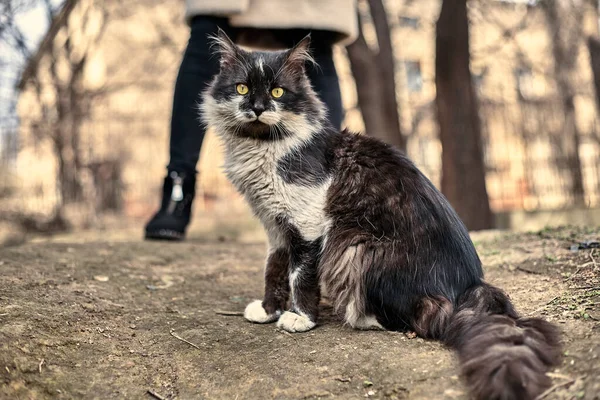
(224, 47)
(299, 55)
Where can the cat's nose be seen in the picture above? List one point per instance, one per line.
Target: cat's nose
(258, 109)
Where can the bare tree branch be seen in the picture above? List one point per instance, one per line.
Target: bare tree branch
(57, 22)
(374, 75)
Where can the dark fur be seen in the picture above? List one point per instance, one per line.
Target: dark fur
(394, 249)
(309, 164)
(424, 273)
(380, 198)
(277, 286)
(502, 355)
(303, 255)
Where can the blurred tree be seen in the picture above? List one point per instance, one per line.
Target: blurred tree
(564, 21)
(463, 168)
(9, 33)
(594, 49)
(63, 113)
(374, 74)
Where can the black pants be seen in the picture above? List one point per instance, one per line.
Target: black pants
(199, 66)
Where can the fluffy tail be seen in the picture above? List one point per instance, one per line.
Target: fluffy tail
(502, 356)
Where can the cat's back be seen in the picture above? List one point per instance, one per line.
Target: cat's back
(378, 186)
(373, 170)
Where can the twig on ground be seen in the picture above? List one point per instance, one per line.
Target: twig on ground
(286, 333)
(342, 379)
(584, 265)
(176, 336)
(230, 313)
(553, 388)
(587, 264)
(544, 306)
(528, 271)
(155, 395)
(523, 249)
(40, 365)
(110, 303)
(587, 288)
(560, 376)
(577, 271)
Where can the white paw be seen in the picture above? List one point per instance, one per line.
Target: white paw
(367, 323)
(292, 322)
(255, 312)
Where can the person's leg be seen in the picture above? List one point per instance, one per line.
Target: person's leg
(325, 82)
(195, 72)
(197, 69)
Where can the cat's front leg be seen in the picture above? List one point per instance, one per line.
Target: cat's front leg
(304, 285)
(277, 290)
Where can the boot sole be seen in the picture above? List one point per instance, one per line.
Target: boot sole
(165, 234)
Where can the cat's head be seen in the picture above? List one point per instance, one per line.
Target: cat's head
(263, 95)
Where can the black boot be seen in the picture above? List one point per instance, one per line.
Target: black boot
(171, 221)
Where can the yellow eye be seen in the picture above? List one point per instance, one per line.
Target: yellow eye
(277, 92)
(241, 88)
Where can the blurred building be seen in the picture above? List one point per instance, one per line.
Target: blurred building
(512, 66)
(128, 54)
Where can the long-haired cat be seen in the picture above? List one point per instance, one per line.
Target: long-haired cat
(353, 218)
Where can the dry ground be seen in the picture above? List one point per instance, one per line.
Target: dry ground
(96, 316)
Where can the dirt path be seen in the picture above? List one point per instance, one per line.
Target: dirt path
(113, 319)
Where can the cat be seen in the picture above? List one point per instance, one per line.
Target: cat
(351, 217)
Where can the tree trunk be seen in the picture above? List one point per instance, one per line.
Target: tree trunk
(594, 49)
(66, 137)
(374, 74)
(564, 21)
(463, 169)
(66, 142)
(68, 179)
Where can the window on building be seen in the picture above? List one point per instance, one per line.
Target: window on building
(414, 78)
(524, 82)
(479, 80)
(410, 22)
(530, 3)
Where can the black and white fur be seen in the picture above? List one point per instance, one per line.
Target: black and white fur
(353, 218)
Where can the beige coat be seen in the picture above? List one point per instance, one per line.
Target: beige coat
(332, 15)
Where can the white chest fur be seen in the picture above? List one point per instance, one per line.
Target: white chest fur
(252, 167)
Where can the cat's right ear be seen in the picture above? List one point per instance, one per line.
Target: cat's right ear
(224, 47)
(300, 54)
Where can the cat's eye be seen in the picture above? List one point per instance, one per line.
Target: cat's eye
(241, 88)
(277, 92)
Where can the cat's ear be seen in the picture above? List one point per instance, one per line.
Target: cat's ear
(299, 55)
(224, 47)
